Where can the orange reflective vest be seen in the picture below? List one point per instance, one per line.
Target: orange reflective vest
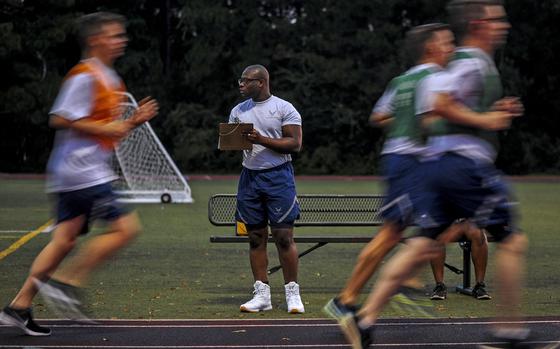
(107, 100)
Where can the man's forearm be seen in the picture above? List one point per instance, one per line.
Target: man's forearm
(284, 145)
(58, 122)
(380, 119)
(90, 127)
(445, 106)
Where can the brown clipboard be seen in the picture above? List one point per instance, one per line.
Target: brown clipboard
(232, 136)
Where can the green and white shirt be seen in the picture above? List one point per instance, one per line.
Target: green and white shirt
(406, 99)
(472, 79)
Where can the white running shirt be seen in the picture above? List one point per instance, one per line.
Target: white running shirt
(78, 161)
(464, 80)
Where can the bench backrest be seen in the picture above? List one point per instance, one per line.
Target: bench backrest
(316, 210)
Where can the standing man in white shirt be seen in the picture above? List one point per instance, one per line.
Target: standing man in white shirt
(86, 116)
(266, 194)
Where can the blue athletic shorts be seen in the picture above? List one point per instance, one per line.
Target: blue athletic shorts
(458, 187)
(404, 187)
(267, 197)
(97, 202)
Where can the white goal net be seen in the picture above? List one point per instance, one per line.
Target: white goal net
(147, 174)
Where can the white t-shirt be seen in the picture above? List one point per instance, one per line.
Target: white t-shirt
(267, 118)
(77, 161)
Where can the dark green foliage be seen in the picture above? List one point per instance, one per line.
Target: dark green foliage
(331, 59)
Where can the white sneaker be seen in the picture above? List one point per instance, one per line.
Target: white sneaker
(261, 299)
(293, 300)
(64, 299)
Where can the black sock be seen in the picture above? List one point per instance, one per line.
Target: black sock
(22, 312)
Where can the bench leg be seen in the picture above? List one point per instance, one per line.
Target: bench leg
(453, 269)
(465, 288)
(314, 247)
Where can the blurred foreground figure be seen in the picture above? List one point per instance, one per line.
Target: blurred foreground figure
(461, 180)
(399, 110)
(86, 116)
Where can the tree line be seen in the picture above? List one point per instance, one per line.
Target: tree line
(331, 59)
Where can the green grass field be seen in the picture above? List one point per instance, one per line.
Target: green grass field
(173, 271)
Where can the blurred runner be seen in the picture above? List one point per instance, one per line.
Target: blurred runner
(85, 115)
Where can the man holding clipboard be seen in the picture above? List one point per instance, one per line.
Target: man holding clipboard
(266, 194)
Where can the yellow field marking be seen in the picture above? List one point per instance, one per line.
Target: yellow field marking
(23, 240)
(8, 237)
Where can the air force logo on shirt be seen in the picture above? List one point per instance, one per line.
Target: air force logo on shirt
(274, 113)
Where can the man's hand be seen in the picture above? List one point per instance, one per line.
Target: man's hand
(496, 120)
(148, 109)
(511, 105)
(289, 143)
(253, 136)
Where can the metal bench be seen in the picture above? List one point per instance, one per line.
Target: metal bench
(325, 210)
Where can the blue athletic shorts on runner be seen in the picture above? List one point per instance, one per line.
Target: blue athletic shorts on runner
(97, 202)
(459, 187)
(267, 197)
(404, 187)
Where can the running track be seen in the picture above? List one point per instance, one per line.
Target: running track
(297, 333)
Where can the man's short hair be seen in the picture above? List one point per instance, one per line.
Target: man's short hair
(260, 70)
(463, 12)
(416, 39)
(91, 24)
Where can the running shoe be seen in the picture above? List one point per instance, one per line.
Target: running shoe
(479, 291)
(23, 319)
(358, 337)
(64, 299)
(411, 301)
(439, 292)
(337, 310)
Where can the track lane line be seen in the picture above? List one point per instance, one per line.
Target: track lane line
(393, 345)
(240, 324)
(24, 239)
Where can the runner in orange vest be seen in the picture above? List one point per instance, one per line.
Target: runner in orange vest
(86, 117)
